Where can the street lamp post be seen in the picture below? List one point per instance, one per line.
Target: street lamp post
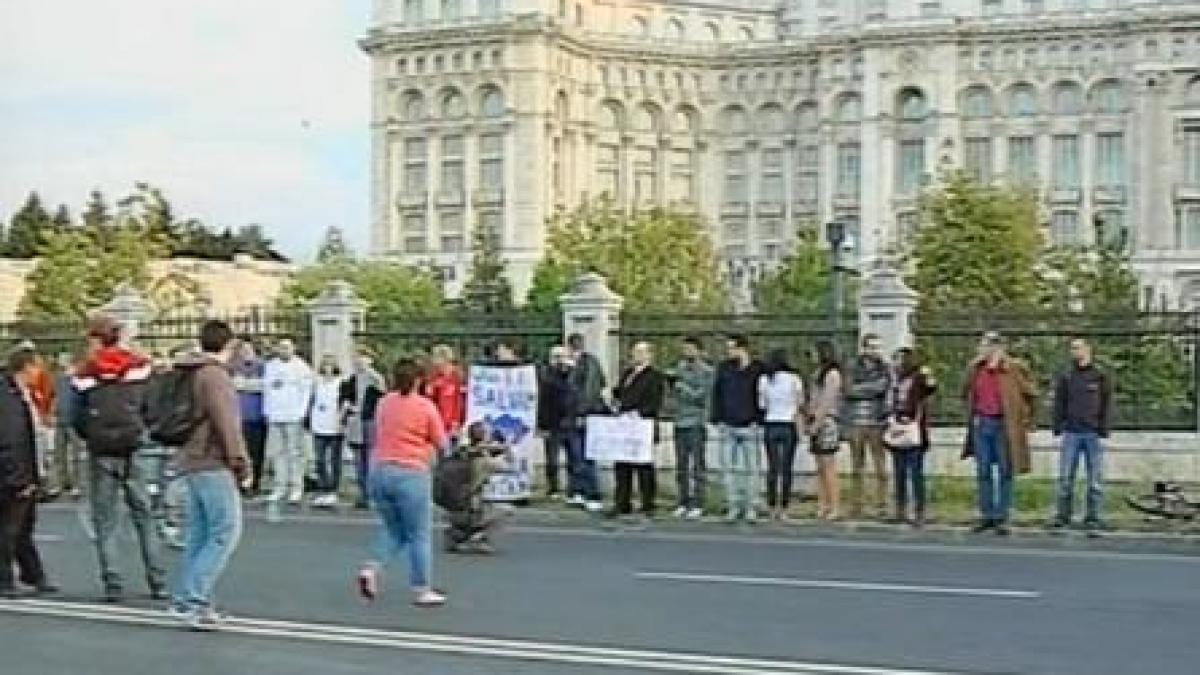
(835, 234)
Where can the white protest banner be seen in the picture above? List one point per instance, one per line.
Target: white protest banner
(504, 399)
(626, 438)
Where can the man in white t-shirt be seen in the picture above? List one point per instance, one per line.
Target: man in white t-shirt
(287, 395)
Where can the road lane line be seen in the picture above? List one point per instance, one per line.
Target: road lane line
(455, 644)
(689, 577)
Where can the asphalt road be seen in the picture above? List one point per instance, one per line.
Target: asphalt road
(581, 601)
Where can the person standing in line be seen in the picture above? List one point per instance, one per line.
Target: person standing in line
(866, 413)
(1082, 406)
(589, 387)
(248, 371)
(640, 393)
(214, 463)
(66, 441)
(907, 434)
(42, 395)
(446, 386)
(781, 398)
(326, 422)
(693, 384)
(287, 395)
(735, 409)
(1001, 398)
(359, 399)
(410, 438)
(556, 421)
(19, 480)
(824, 429)
(111, 420)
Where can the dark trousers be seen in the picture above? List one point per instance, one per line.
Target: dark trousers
(691, 470)
(17, 516)
(555, 445)
(624, 473)
(255, 434)
(329, 462)
(780, 440)
(908, 465)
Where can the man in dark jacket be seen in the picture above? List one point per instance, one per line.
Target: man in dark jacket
(735, 410)
(865, 417)
(111, 420)
(556, 421)
(359, 397)
(1082, 399)
(588, 386)
(640, 393)
(18, 479)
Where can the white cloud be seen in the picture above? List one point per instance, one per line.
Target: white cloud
(242, 110)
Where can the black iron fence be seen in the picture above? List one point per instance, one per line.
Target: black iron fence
(471, 335)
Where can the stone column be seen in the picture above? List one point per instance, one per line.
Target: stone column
(594, 311)
(886, 305)
(335, 314)
(131, 310)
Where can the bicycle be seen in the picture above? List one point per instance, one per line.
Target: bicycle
(1168, 501)
(164, 488)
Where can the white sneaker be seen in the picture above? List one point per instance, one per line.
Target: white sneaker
(576, 500)
(594, 507)
(368, 584)
(680, 512)
(695, 514)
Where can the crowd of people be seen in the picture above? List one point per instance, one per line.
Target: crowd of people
(232, 417)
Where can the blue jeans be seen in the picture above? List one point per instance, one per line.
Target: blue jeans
(691, 472)
(403, 497)
(214, 517)
(740, 463)
(115, 479)
(908, 464)
(1074, 446)
(995, 485)
(583, 479)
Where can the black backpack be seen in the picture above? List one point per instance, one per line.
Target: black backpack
(452, 483)
(176, 413)
(112, 418)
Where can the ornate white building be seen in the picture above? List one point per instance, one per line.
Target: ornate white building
(767, 115)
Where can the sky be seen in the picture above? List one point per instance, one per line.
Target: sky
(241, 111)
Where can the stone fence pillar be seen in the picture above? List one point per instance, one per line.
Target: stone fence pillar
(336, 314)
(130, 309)
(594, 311)
(886, 306)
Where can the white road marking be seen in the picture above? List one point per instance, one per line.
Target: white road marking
(48, 538)
(840, 585)
(458, 644)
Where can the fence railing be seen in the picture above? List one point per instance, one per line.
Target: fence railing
(472, 336)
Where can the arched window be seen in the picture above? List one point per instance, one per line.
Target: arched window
(453, 105)
(412, 106)
(1068, 98)
(676, 30)
(1108, 97)
(977, 103)
(746, 33)
(734, 120)
(849, 108)
(712, 31)
(611, 116)
(685, 120)
(645, 118)
(806, 116)
(912, 105)
(491, 104)
(1022, 100)
(770, 119)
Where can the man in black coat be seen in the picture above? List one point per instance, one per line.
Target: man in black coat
(18, 479)
(640, 392)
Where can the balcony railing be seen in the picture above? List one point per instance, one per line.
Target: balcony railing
(488, 196)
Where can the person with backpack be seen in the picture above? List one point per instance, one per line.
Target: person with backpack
(110, 420)
(203, 421)
(287, 395)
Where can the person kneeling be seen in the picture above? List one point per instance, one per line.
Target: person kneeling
(461, 479)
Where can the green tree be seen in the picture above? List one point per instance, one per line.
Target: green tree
(487, 289)
(388, 288)
(97, 213)
(58, 287)
(62, 219)
(658, 259)
(28, 228)
(978, 248)
(801, 282)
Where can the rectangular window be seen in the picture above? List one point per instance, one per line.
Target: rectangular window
(978, 159)
(931, 8)
(452, 165)
(734, 230)
(608, 170)
(771, 183)
(491, 162)
(491, 225)
(1190, 236)
(1112, 228)
(770, 229)
(1064, 228)
(1191, 153)
(991, 7)
(556, 169)
(735, 177)
(450, 229)
(1065, 162)
(1022, 159)
(415, 240)
(414, 11)
(849, 163)
(682, 172)
(414, 166)
(912, 167)
(645, 176)
(1110, 159)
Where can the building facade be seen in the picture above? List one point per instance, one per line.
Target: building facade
(767, 116)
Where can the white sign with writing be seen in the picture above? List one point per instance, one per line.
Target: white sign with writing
(504, 399)
(626, 438)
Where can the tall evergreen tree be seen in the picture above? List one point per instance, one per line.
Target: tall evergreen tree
(487, 288)
(28, 228)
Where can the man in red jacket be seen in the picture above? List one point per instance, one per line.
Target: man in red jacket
(447, 388)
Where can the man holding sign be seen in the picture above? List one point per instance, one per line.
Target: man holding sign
(639, 395)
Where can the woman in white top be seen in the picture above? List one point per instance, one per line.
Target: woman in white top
(326, 422)
(781, 398)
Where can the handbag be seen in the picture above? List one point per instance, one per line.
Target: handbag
(902, 435)
(828, 435)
